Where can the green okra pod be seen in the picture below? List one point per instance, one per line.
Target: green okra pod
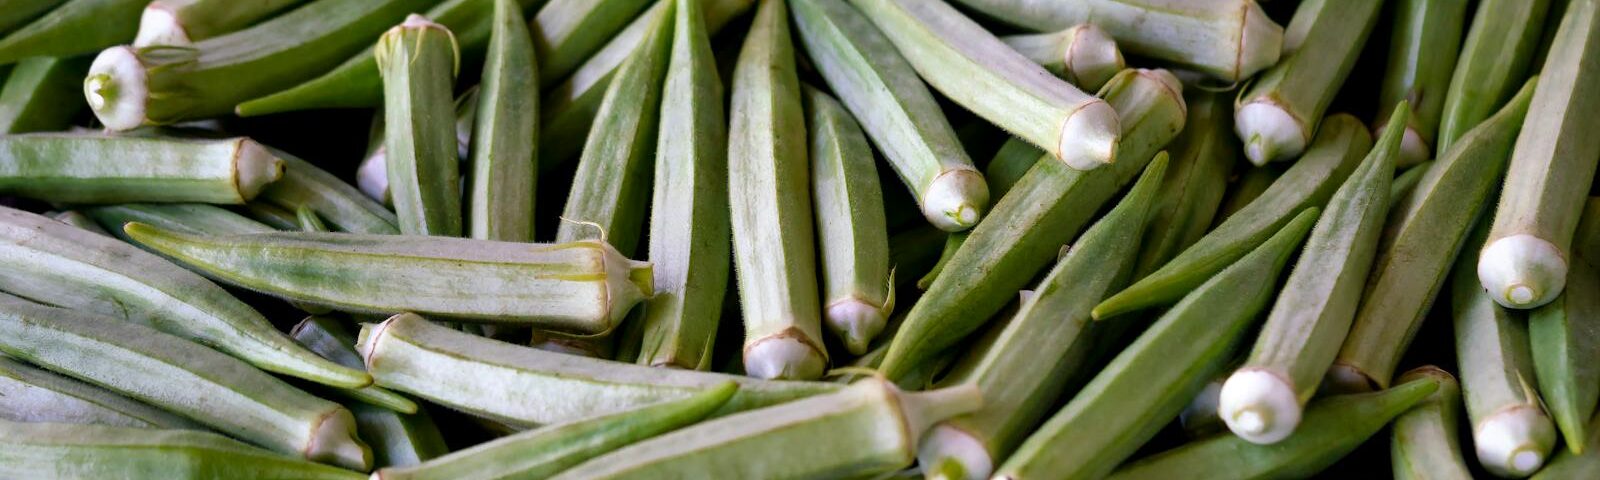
(1276, 114)
(878, 85)
(1494, 61)
(1565, 336)
(1333, 428)
(1009, 165)
(274, 216)
(1044, 211)
(1573, 465)
(76, 27)
(183, 377)
(102, 168)
(976, 70)
(952, 244)
(1423, 443)
(581, 287)
(1423, 46)
(54, 450)
(1083, 55)
(41, 95)
(1340, 145)
(1150, 382)
(504, 162)
(561, 446)
(32, 395)
(1406, 182)
(183, 22)
(397, 439)
(197, 218)
(419, 60)
(78, 219)
(1247, 187)
(567, 32)
(372, 176)
(20, 12)
(328, 338)
(465, 372)
(1202, 157)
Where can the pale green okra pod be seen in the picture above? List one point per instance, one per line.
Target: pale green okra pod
(1083, 55)
(1565, 336)
(504, 162)
(77, 219)
(567, 32)
(419, 60)
(183, 22)
(1494, 60)
(41, 95)
(63, 451)
(32, 395)
(397, 439)
(103, 168)
(1423, 46)
(337, 202)
(1203, 156)
(1424, 443)
(1568, 465)
(1250, 184)
(328, 338)
(1009, 164)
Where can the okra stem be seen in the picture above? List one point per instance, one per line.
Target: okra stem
(1084, 55)
(419, 60)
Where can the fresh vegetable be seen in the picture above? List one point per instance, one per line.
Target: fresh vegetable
(75, 27)
(1423, 46)
(419, 60)
(41, 95)
(1423, 443)
(54, 450)
(1202, 157)
(1084, 55)
(1494, 60)
(504, 162)
(103, 168)
(329, 339)
(567, 32)
(183, 22)
(31, 395)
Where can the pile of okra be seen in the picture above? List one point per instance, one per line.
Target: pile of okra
(796, 239)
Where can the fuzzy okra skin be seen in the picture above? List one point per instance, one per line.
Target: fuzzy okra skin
(328, 338)
(102, 168)
(1083, 55)
(1054, 202)
(523, 386)
(419, 61)
(976, 70)
(504, 162)
(1276, 114)
(567, 32)
(183, 377)
(1150, 382)
(340, 204)
(65, 451)
(1262, 401)
(868, 428)
(1024, 368)
(1423, 45)
(32, 395)
(183, 22)
(580, 287)
(895, 109)
(1424, 441)
(1341, 144)
(1250, 184)
(74, 28)
(1565, 336)
(544, 452)
(1203, 156)
(41, 95)
(1333, 428)
(1494, 60)
(1009, 164)
(1524, 264)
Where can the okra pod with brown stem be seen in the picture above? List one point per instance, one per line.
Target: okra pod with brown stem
(32, 395)
(504, 162)
(41, 95)
(1423, 46)
(54, 450)
(104, 168)
(1494, 61)
(419, 60)
(183, 22)
(1083, 55)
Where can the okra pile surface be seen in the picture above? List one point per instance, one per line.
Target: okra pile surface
(797, 239)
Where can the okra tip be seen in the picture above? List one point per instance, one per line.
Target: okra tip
(1090, 136)
(1270, 132)
(255, 167)
(950, 453)
(117, 88)
(159, 25)
(855, 322)
(787, 355)
(1522, 271)
(1258, 405)
(956, 200)
(335, 442)
(1514, 442)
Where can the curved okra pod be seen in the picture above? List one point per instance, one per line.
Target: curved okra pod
(41, 95)
(182, 377)
(689, 228)
(567, 32)
(1425, 232)
(1026, 366)
(1202, 158)
(1262, 401)
(54, 450)
(20, 12)
(868, 428)
(1524, 264)
(39, 250)
(183, 22)
(1044, 211)
(1423, 443)
(975, 69)
(1333, 428)
(76, 27)
(896, 110)
(101, 168)
(419, 60)
(31, 395)
(195, 218)
(1340, 145)
(474, 374)
(581, 287)
(1276, 113)
(1494, 60)
(1151, 381)
(504, 162)
(1565, 336)
(1083, 55)
(328, 338)
(1423, 46)
(1009, 164)
(544, 452)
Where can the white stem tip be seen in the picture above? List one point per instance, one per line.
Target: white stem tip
(1522, 271)
(1259, 406)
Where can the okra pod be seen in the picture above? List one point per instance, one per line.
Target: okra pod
(1333, 428)
(581, 287)
(1341, 143)
(273, 216)
(470, 373)
(197, 218)
(952, 244)
(1150, 382)
(1423, 443)
(183, 22)
(419, 60)
(1054, 202)
(41, 95)
(1524, 264)
(1262, 401)
(1587, 239)
(1083, 55)
(329, 339)
(1276, 114)
(76, 27)
(20, 12)
(1203, 156)
(544, 452)
(1025, 367)
(567, 32)
(867, 429)
(32, 395)
(309, 221)
(881, 89)
(976, 70)
(78, 219)
(1423, 46)
(1494, 60)
(1009, 165)
(1572, 465)
(102, 168)
(1565, 336)
(54, 450)
(504, 162)
(372, 176)
(142, 285)
(397, 439)
(183, 377)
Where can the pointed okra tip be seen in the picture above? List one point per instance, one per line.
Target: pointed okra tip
(117, 88)
(1258, 405)
(1514, 442)
(956, 200)
(1090, 136)
(1522, 271)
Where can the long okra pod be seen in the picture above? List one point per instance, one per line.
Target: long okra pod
(1422, 53)
(1494, 60)
(74, 28)
(1262, 401)
(1083, 55)
(1565, 336)
(467, 372)
(184, 217)
(504, 162)
(1202, 157)
(419, 60)
(41, 95)
(1277, 113)
(183, 22)
(181, 376)
(20, 12)
(1423, 443)
(1524, 264)
(337, 202)
(975, 69)
(1150, 382)
(328, 338)
(32, 395)
(101, 168)
(567, 32)
(1054, 202)
(896, 110)
(1340, 145)
(562, 446)
(54, 450)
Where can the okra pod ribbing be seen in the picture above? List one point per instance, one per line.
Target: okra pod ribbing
(74, 28)
(1423, 443)
(102, 168)
(504, 162)
(1423, 46)
(41, 95)
(567, 32)
(1494, 60)
(328, 338)
(31, 395)
(183, 22)
(1250, 184)
(53, 450)
(1565, 336)
(419, 60)
(1202, 157)
(1084, 55)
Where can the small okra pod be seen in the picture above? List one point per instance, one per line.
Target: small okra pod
(101, 168)
(1341, 143)
(545, 452)
(182, 377)
(40, 251)
(581, 287)
(419, 60)
(1083, 55)
(76, 27)
(1423, 46)
(1009, 164)
(881, 89)
(78, 219)
(32, 395)
(567, 32)
(1277, 113)
(1333, 428)
(504, 162)
(866, 429)
(66, 451)
(1424, 441)
(1262, 401)
(1524, 264)
(1149, 383)
(472, 374)
(1566, 465)
(1247, 187)
(689, 230)
(183, 22)
(398, 439)
(326, 337)
(1494, 60)
(20, 12)
(1202, 157)
(975, 69)
(1565, 336)
(41, 95)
